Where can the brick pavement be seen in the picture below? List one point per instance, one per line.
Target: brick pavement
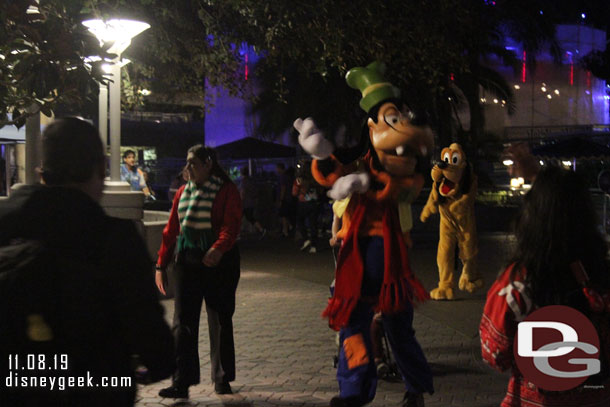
(284, 354)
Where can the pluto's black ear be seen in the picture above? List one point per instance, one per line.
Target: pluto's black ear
(466, 179)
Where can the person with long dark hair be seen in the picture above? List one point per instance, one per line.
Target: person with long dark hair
(204, 223)
(556, 230)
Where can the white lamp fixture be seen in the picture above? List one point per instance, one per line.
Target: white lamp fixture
(119, 33)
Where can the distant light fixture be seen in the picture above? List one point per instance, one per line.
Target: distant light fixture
(449, 98)
(495, 100)
(508, 162)
(588, 92)
(516, 182)
(517, 87)
(541, 162)
(144, 92)
(556, 91)
(503, 102)
(541, 13)
(543, 88)
(549, 96)
(567, 163)
(583, 16)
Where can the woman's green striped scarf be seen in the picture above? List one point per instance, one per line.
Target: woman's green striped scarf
(194, 212)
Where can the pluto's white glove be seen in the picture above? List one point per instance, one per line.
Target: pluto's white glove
(312, 140)
(345, 186)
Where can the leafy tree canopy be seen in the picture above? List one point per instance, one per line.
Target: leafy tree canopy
(42, 58)
(192, 42)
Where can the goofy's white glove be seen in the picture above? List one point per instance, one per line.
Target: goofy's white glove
(358, 182)
(312, 140)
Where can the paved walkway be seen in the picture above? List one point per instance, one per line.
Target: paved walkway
(285, 350)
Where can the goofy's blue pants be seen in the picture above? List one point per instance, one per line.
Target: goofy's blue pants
(356, 372)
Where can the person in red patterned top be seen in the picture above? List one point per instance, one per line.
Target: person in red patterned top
(557, 226)
(204, 223)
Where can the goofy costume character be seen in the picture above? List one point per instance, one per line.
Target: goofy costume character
(373, 271)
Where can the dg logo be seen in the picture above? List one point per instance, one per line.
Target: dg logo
(557, 348)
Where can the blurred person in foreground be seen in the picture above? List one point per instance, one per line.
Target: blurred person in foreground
(204, 224)
(102, 308)
(556, 234)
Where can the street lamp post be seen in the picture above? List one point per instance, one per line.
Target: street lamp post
(103, 115)
(119, 33)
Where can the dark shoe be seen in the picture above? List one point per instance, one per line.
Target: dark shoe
(353, 401)
(413, 400)
(222, 388)
(174, 392)
(383, 370)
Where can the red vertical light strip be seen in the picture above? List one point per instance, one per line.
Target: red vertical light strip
(246, 70)
(589, 80)
(523, 68)
(571, 73)
(452, 77)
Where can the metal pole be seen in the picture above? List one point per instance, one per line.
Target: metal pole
(103, 116)
(115, 121)
(605, 215)
(32, 146)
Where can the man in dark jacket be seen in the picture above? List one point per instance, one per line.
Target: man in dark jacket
(105, 309)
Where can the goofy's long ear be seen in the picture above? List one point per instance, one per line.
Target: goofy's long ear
(466, 180)
(348, 155)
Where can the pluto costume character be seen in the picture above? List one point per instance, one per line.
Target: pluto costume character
(454, 190)
(373, 271)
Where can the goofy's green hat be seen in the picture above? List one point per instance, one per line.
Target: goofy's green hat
(372, 84)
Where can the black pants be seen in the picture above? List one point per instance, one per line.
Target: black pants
(217, 285)
(307, 220)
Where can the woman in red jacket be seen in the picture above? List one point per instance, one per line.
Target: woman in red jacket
(556, 230)
(204, 224)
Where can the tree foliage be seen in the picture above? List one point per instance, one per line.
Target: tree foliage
(42, 58)
(307, 47)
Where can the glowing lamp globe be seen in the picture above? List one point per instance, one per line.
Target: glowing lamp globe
(119, 32)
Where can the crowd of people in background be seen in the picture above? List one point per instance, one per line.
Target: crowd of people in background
(288, 202)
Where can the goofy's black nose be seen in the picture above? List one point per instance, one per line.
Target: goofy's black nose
(442, 165)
